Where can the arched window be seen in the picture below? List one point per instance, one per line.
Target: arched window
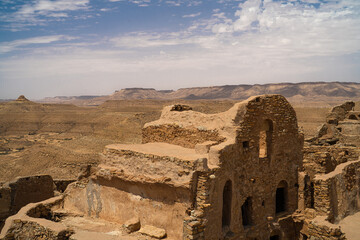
(246, 212)
(265, 138)
(226, 211)
(352, 117)
(281, 197)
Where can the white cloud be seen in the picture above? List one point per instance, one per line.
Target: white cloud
(192, 15)
(13, 45)
(194, 3)
(32, 13)
(173, 3)
(140, 3)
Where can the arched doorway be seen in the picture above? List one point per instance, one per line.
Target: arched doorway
(226, 210)
(281, 197)
(246, 212)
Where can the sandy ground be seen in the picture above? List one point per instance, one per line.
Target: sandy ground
(350, 226)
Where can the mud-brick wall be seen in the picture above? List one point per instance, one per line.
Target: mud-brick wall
(338, 195)
(5, 202)
(324, 159)
(324, 232)
(322, 196)
(195, 223)
(174, 134)
(18, 193)
(30, 189)
(30, 230)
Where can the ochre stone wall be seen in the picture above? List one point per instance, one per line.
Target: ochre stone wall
(177, 135)
(316, 231)
(118, 201)
(324, 159)
(23, 190)
(337, 194)
(253, 176)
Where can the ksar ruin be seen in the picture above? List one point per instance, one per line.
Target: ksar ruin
(245, 173)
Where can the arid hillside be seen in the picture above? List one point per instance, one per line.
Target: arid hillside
(321, 93)
(59, 139)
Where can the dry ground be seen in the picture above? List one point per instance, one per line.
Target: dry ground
(59, 139)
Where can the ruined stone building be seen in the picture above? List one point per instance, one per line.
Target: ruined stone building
(238, 174)
(330, 185)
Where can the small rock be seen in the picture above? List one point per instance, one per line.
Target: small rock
(152, 231)
(132, 225)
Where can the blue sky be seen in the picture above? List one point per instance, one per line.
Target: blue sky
(83, 47)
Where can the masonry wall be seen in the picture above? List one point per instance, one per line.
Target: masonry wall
(23, 190)
(324, 159)
(337, 194)
(317, 231)
(177, 135)
(117, 200)
(257, 177)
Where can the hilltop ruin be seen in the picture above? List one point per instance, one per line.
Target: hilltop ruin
(239, 174)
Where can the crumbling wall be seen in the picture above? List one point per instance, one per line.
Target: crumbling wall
(317, 230)
(23, 190)
(324, 159)
(177, 135)
(34, 221)
(255, 178)
(115, 200)
(342, 126)
(337, 194)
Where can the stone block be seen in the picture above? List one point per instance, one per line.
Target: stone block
(152, 231)
(132, 225)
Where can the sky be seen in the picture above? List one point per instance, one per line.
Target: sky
(94, 47)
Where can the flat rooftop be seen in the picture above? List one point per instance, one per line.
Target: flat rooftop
(159, 149)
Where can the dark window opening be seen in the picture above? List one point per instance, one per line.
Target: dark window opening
(226, 211)
(0, 195)
(275, 237)
(352, 117)
(263, 203)
(312, 197)
(265, 138)
(246, 212)
(257, 99)
(245, 144)
(281, 197)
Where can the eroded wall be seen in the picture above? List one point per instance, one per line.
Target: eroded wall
(337, 194)
(118, 201)
(256, 177)
(23, 190)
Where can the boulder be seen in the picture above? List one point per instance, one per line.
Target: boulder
(132, 225)
(152, 231)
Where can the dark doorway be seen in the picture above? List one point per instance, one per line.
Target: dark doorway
(281, 197)
(312, 197)
(246, 212)
(275, 237)
(226, 211)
